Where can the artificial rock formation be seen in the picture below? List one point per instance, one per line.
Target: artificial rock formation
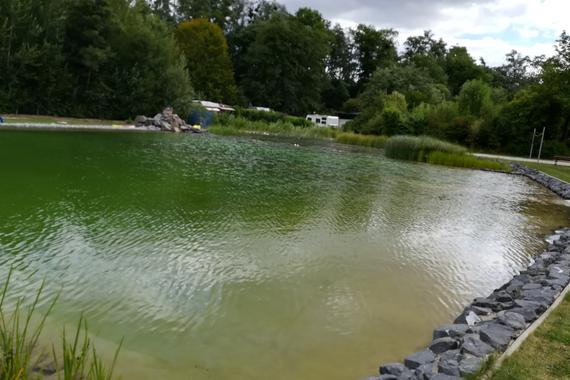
(166, 121)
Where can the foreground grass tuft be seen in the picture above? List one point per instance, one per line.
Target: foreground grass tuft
(20, 353)
(545, 355)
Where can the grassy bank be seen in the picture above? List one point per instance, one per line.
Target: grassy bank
(560, 172)
(22, 357)
(237, 126)
(37, 119)
(546, 354)
(437, 152)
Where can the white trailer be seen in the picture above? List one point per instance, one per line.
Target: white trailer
(325, 120)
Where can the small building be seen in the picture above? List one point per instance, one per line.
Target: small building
(325, 120)
(214, 107)
(204, 115)
(261, 109)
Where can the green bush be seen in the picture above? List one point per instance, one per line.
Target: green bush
(272, 117)
(418, 148)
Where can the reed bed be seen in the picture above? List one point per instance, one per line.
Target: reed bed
(238, 126)
(363, 140)
(21, 353)
(419, 148)
(465, 161)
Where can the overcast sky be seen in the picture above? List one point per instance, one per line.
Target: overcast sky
(488, 28)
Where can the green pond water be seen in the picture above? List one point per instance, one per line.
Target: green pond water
(221, 258)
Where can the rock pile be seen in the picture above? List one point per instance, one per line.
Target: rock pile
(490, 324)
(167, 121)
(559, 187)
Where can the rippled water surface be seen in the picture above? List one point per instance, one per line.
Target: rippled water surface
(246, 259)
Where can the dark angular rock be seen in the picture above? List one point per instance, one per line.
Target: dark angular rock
(426, 371)
(468, 317)
(469, 365)
(496, 335)
(502, 296)
(505, 306)
(481, 311)
(529, 314)
(523, 278)
(531, 286)
(449, 367)
(536, 306)
(441, 345)
(387, 377)
(451, 355)
(513, 320)
(471, 344)
(485, 302)
(453, 331)
(548, 294)
(558, 283)
(419, 358)
(393, 369)
(442, 376)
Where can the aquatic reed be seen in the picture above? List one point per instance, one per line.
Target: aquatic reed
(414, 148)
(20, 351)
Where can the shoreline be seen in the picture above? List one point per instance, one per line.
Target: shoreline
(499, 323)
(75, 128)
(492, 325)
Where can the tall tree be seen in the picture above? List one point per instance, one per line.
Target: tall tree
(284, 65)
(427, 52)
(208, 60)
(460, 67)
(88, 30)
(515, 73)
(374, 48)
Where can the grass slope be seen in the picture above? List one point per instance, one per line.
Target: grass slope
(32, 119)
(561, 172)
(546, 354)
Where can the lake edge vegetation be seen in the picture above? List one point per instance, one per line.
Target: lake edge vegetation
(22, 355)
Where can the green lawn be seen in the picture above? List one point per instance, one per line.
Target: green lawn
(24, 119)
(545, 355)
(561, 172)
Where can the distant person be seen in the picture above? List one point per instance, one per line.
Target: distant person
(1, 119)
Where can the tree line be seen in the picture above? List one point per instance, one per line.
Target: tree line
(119, 58)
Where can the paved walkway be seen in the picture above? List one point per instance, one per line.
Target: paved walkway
(520, 159)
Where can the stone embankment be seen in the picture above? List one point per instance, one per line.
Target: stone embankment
(559, 187)
(489, 325)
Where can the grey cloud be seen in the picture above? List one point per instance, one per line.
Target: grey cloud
(398, 14)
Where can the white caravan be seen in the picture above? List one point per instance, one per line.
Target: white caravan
(325, 120)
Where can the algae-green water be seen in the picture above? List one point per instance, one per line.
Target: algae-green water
(220, 258)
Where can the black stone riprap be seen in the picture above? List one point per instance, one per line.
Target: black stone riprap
(559, 187)
(489, 325)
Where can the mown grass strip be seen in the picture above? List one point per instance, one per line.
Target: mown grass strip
(545, 355)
